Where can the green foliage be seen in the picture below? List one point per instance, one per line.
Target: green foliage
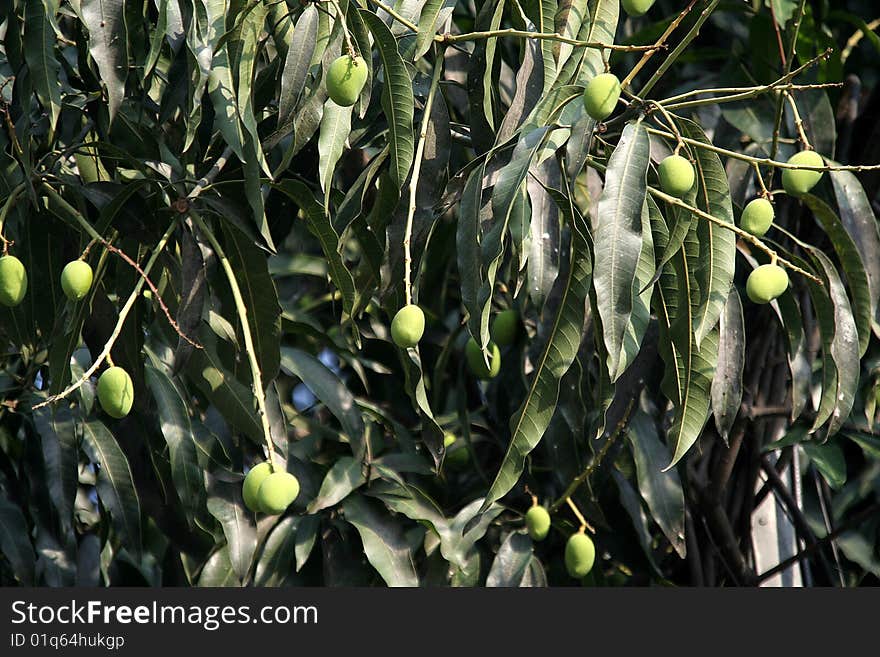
(214, 221)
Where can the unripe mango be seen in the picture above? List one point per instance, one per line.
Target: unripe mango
(455, 457)
(474, 357)
(798, 182)
(757, 217)
(76, 279)
(277, 492)
(580, 553)
(346, 78)
(538, 522)
(13, 281)
(766, 283)
(601, 95)
(636, 8)
(408, 326)
(115, 392)
(505, 327)
(676, 175)
(251, 486)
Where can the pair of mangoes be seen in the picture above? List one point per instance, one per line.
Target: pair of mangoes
(76, 280)
(580, 552)
(267, 490)
(503, 332)
(408, 327)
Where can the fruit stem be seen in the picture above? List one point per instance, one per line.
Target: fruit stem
(747, 236)
(580, 516)
(96, 237)
(414, 178)
(658, 44)
(798, 121)
(241, 309)
(120, 322)
(765, 193)
(671, 122)
(4, 212)
(777, 123)
(341, 18)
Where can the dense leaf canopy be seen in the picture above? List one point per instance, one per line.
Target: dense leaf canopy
(250, 241)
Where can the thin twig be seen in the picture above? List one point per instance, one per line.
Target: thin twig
(120, 322)
(659, 43)
(124, 256)
(96, 237)
(580, 516)
(596, 460)
(740, 93)
(251, 352)
(542, 36)
(414, 179)
(780, 104)
(670, 59)
(798, 121)
(765, 161)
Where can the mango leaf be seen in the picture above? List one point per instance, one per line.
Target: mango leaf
(467, 239)
(840, 342)
(108, 43)
(798, 361)
(226, 505)
(58, 439)
(570, 16)
(860, 222)
(322, 229)
(276, 559)
(227, 394)
(689, 369)
(529, 86)
(217, 571)
(618, 238)
(327, 387)
(260, 298)
(306, 533)
(39, 53)
(221, 88)
(643, 290)
(335, 127)
(15, 543)
(511, 565)
(563, 340)
(115, 483)
(345, 476)
(457, 535)
(727, 386)
(662, 491)
(829, 461)
(177, 430)
(434, 15)
(717, 244)
(853, 267)
(296, 63)
(397, 100)
(432, 434)
(384, 542)
(507, 190)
